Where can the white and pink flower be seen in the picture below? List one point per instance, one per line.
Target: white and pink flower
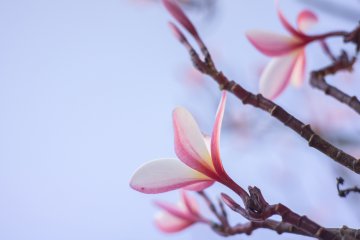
(199, 163)
(174, 218)
(288, 64)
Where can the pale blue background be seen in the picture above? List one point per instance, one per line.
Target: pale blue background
(86, 94)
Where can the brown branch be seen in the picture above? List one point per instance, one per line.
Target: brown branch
(304, 130)
(343, 233)
(345, 192)
(221, 216)
(249, 227)
(223, 228)
(256, 208)
(354, 37)
(259, 211)
(301, 222)
(346, 233)
(317, 80)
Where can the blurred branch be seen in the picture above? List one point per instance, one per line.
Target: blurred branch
(343, 62)
(345, 192)
(220, 215)
(317, 80)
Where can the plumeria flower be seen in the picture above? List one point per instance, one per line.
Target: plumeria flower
(288, 64)
(199, 163)
(174, 218)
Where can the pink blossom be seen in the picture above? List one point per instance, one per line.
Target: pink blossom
(199, 163)
(174, 218)
(288, 64)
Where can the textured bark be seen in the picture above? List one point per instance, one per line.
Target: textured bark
(317, 80)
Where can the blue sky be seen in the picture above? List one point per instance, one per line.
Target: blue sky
(86, 94)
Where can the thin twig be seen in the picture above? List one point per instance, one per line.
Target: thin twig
(354, 37)
(224, 229)
(221, 217)
(317, 80)
(327, 50)
(346, 191)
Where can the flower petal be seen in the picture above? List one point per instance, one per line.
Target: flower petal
(287, 25)
(174, 218)
(298, 74)
(272, 44)
(215, 138)
(207, 140)
(179, 210)
(199, 186)
(306, 19)
(181, 17)
(190, 146)
(276, 75)
(169, 223)
(190, 203)
(164, 175)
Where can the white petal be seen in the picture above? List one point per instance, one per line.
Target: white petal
(298, 74)
(163, 175)
(170, 223)
(277, 74)
(190, 145)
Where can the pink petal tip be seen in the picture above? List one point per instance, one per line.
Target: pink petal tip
(181, 17)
